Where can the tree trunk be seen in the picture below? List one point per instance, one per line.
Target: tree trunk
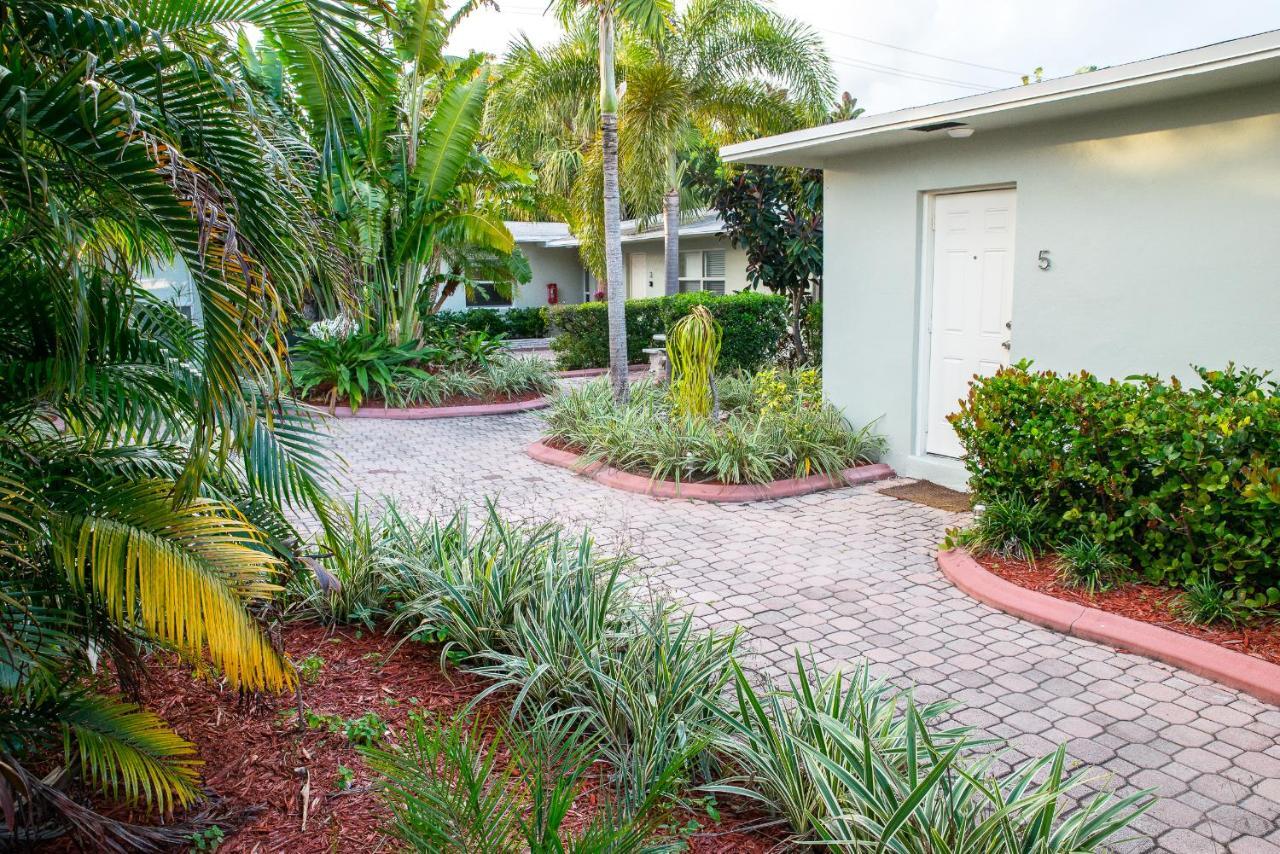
(615, 283)
(671, 245)
(797, 337)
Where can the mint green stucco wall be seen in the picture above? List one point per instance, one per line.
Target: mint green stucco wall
(1162, 223)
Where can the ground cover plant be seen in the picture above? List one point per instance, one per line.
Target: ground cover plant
(612, 689)
(1136, 480)
(772, 425)
(503, 686)
(340, 363)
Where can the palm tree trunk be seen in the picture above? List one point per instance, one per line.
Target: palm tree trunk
(615, 284)
(671, 233)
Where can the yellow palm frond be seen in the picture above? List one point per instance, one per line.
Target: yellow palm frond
(130, 752)
(182, 573)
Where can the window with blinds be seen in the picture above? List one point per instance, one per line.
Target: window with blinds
(713, 271)
(702, 271)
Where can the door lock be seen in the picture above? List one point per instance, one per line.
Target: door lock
(1008, 345)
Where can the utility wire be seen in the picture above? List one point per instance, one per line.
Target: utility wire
(911, 75)
(919, 52)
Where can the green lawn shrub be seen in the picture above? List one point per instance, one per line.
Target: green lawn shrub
(753, 323)
(1179, 482)
(530, 322)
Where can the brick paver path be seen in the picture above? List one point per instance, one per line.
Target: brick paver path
(851, 574)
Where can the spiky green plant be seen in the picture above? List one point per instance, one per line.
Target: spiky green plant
(1009, 526)
(1087, 564)
(855, 765)
(693, 349)
(452, 789)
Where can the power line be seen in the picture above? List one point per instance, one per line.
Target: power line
(910, 75)
(919, 52)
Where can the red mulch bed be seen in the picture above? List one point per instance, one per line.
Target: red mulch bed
(1138, 601)
(257, 761)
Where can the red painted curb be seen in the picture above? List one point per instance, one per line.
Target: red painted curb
(1236, 669)
(423, 413)
(714, 492)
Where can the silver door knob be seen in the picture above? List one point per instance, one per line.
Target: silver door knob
(1007, 345)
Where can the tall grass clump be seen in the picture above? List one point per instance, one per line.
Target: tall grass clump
(454, 789)
(854, 765)
(562, 628)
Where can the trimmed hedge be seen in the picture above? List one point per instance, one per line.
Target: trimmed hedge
(513, 322)
(1180, 482)
(754, 325)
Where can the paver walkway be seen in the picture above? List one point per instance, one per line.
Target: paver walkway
(851, 574)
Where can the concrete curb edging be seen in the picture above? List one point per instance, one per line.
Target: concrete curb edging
(423, 413)
(598, 372)
(713, 492)
(1236, 669)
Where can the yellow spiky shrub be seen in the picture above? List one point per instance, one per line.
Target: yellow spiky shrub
(693, 349)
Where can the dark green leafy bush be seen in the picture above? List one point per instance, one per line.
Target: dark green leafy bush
(513, 323)
(753, 323)
(352, 368)
(1178, 482)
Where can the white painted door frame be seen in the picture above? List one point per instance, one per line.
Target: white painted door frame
(928, 403)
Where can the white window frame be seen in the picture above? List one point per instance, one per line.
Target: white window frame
(691, 284)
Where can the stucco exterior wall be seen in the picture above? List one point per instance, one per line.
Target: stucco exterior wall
(1162, 224)
(548, 265)
(735, 260)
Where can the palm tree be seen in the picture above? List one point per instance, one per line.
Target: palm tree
(147, 468)
(649, 17)
(721, 71)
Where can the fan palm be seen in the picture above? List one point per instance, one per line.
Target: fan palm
(146, 466)
(719, 72)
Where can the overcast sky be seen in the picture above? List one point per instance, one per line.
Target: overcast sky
(900, 53)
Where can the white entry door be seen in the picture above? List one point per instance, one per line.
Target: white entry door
(972, 313)
(638, 275)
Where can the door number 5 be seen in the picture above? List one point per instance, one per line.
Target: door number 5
(1043, 260)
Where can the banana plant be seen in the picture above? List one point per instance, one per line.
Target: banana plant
(413, 196)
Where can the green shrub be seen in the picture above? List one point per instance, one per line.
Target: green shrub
(753, 325)
(1204, 602)
(1178, 482)
(811, 330)
(528, 322)
(855, 765)
(561, 627)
